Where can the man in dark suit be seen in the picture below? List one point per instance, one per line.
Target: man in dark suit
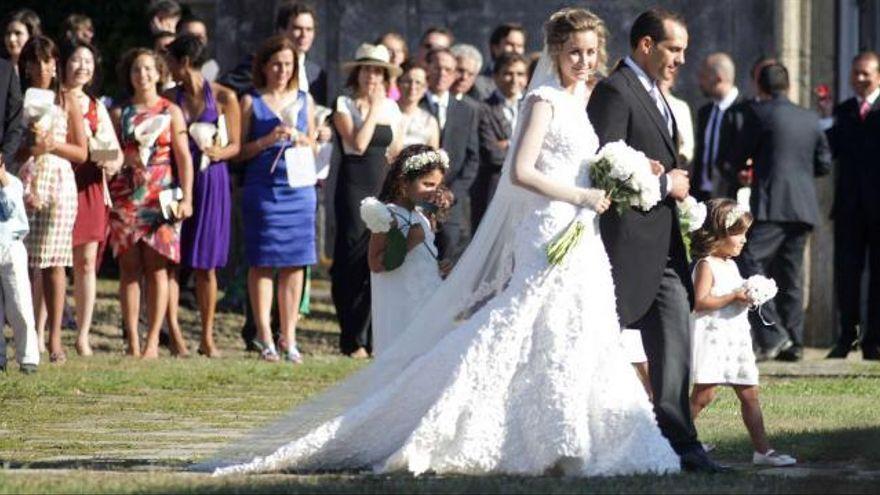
(298, 21)
(856, 211)
(651, 276)
(497, 120)
(718, 123)
(509, 37)
(788, 150)
(11, 129)
(459, 122)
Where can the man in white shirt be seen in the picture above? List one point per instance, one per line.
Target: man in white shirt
(717, 125)
(459, 123)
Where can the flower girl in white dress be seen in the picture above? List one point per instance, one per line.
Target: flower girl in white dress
(722, 342)
(402, 255)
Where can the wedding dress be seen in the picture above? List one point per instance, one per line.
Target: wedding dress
(513, 366)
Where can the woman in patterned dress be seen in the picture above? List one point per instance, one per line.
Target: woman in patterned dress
(205, 236)
(50, 188)
(143, 239)
(79, 60)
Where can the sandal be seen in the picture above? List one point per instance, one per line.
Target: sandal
(267, 352)
(292, 355)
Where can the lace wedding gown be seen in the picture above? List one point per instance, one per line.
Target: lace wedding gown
(533, 380)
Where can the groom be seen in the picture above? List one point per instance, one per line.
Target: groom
(651, 276)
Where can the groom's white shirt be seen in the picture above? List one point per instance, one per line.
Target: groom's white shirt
(650, 86)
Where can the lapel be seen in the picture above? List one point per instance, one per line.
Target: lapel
(452, 111)
(496, 107)
(648, 103)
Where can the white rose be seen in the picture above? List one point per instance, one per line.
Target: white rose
(376, 215)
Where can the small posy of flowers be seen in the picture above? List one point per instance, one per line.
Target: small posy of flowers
(376, 215)
(147, 132)
(203, 133)
(760, 289)
(422, 160)
(626, 175)
(691, 216)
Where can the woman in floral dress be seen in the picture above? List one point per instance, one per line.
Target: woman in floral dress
(153, 137)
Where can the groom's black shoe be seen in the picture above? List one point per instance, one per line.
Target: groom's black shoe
(697, 461)
(774, 350)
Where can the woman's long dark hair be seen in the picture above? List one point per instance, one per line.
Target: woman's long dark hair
(37, 49)
(70, 47)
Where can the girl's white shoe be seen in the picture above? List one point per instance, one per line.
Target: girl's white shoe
(773, 458)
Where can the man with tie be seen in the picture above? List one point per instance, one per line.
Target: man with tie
(459, 122)
(718, 122)
(856, 211)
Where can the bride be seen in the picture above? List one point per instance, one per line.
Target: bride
(513, 366)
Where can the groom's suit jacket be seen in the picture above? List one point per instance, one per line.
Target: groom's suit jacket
(640, 245)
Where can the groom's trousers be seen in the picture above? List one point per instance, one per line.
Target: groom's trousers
(666, 336)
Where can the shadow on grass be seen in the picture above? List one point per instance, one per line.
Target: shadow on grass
(858, 447)
(98, 464)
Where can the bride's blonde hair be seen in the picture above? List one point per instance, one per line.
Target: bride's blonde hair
(563, 23)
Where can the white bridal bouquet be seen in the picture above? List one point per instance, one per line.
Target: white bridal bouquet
(760, 289)
(147, 132)
(691, 216)
(625, 174)
(376, 215)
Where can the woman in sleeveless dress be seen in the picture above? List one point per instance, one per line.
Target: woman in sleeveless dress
(79, 60)
(279, 219)
(514, 365)
(144, 240)
(205, 235)
(368, 126)
(50, 188)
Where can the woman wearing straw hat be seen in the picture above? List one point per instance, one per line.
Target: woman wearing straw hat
(368, 123)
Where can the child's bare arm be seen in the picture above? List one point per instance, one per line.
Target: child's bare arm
(376, 252)
(703, 298)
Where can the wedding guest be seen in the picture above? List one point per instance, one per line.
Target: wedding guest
(856, 210)
(164, 16)
(468, 64)
(11, 128)
(718, 123)
(497, 122)
(789, 150)
(434, 37)
(145, 237)
(280, 219)
(509, 37)
(18, 27)
(15, 288)
(48, 157)
(684, 121)
(205, 235)
(419, 126)
(398, 51)
(397, 293)
(369, 126)
(722, 342)
(79, 27)
(299, 22)
(79, 62)
(459, 122)
(195, 25)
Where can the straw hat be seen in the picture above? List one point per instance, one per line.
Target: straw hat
(376, 55)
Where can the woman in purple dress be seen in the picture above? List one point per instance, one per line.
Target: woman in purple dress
(205, 236)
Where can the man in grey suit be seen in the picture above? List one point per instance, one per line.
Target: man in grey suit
(788, 150)
(458, 136)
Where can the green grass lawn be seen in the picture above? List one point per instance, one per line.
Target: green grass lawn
(112, 424)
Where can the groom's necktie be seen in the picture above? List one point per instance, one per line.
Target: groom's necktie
(661, 106)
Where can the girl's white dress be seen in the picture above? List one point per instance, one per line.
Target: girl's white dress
(722, 341)
(398, 294)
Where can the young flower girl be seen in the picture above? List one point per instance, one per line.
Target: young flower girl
(722, 344)
(402, 255)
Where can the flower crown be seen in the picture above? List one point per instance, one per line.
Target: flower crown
(420, 161)
(733, 216)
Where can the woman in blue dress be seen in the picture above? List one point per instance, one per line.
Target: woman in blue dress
(279, 220)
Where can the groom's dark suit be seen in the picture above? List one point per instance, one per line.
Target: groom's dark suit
(648, 262)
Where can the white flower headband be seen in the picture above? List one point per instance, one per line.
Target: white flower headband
(733, 216)
(420, 161)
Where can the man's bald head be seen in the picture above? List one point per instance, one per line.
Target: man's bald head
(717, 75)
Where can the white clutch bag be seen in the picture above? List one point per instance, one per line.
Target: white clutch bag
(300, 162)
